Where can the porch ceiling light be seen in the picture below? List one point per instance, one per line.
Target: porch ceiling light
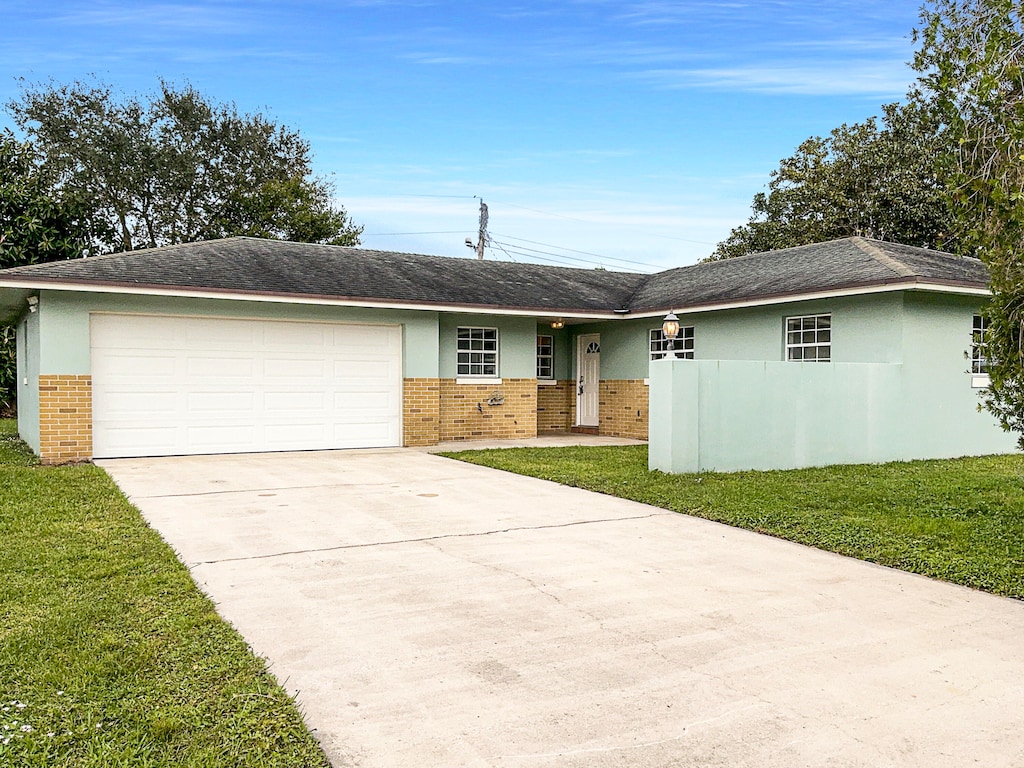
(556, 324)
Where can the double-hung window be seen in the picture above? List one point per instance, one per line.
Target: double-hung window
(979, 358)
(545, 357)
(477, 350)
(809, 338)
(683, 344)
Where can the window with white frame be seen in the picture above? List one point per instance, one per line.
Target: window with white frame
(809, 338)
(477, 350)
(545, 357)
(979, 358)
(683, 344)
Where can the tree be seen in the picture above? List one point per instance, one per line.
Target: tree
(36, 225)
(971, 63)
(177, 168)
(865, 179)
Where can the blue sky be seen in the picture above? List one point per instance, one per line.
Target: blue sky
(629, 134)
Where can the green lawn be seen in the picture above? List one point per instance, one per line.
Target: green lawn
(109, 654)
(960, 520)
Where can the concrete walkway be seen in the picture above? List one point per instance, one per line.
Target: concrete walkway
(432, 613)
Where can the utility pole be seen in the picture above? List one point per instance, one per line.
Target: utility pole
(481, 235)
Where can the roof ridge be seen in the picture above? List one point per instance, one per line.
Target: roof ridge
(882, 257)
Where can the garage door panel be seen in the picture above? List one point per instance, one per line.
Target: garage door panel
(362, 369)
(294, 436)
(360, 403)
(142, 364)
(211, 366)
(128, 402)
(295, 335)
(295, 401)
(295, 368)
(142, 336)
(143, 441)
(225, 334)
(221, 437)
(218, 385)
(223, 403)
(369, 435)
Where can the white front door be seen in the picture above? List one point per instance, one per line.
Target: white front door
(588, 367)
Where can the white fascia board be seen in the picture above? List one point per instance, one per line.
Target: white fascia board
(468, 309)
(839, 292)
(471, 309)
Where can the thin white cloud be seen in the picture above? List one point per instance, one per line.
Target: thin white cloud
(885, 79)
(205, 18)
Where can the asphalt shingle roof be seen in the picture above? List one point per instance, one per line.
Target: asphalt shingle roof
(271, 267)
(833, 265)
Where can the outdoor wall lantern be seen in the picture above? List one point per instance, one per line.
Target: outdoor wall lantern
(670, 330)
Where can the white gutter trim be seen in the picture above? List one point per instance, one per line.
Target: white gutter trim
(836, 293)
(317, 300)
(471, 310)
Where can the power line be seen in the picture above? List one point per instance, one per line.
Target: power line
(502, 249)
(520, 249)
(585, 253)
(554, 258)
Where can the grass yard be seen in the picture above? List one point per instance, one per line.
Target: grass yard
(960, 520)
(109, 654)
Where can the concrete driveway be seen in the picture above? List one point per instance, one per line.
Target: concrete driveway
(431, 613)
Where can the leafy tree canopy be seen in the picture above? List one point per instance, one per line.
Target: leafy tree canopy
(876, 179)
(36, 224)
(177, 167)
(971, 65)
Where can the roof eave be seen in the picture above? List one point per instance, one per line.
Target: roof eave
(885, 286)
(301, 298)
(576, 313)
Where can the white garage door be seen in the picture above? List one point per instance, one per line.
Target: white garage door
(165, 386)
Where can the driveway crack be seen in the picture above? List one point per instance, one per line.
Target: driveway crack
(439, 537)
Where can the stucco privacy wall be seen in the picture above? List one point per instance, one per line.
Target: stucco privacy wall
(733, 414)
(729, 415)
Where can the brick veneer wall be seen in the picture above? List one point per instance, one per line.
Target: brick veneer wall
(623, 408)
(421, 402)
(556, 404)
(65, 418)
(465, 414)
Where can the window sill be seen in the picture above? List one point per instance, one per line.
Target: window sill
(477, 380)
(980, 380)
(547, 382)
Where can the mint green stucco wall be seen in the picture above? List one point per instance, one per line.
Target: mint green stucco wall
(866, 329)
(64, 320)
(28, 378)
(909, 397)
(517, 343)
